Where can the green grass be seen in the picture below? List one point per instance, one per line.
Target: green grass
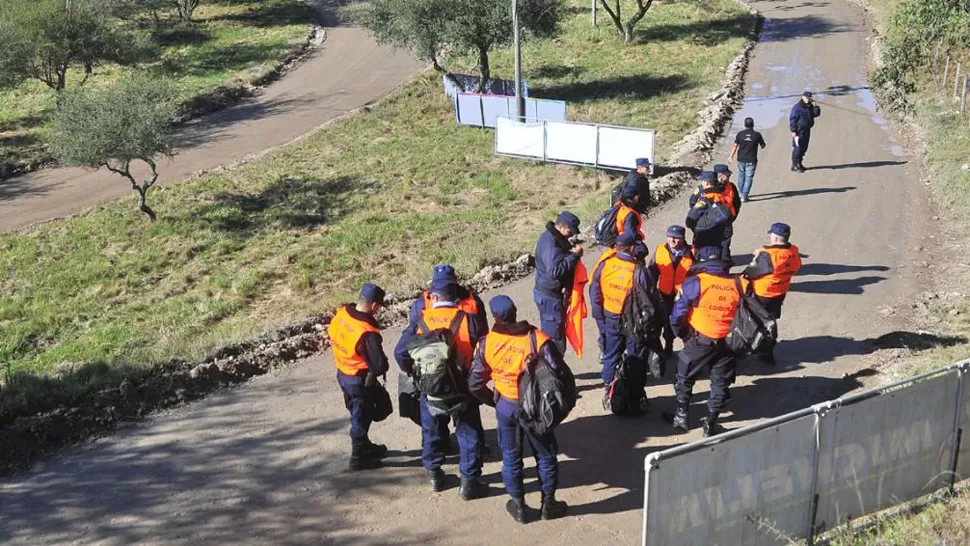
(936, 524)
(380, 196)
(225, 44)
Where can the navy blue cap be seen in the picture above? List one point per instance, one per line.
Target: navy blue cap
(569, 220)
(807, 94)
(502, 308)
(442, 286)
(780, 229)
(677, 232)
(444, 272)
(372, 293)
(721, 168)
(631, 188)
(708, 253)
(708, 176)
(643, 162)
(625, 240)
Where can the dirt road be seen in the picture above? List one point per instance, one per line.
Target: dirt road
(348, 71)
(265, 463)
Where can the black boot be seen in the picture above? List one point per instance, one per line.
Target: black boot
(377, 451)
(800, 168)
(471, 489)
(360, 459)
(437, 480)
(794, 168)
(711, 428)
(678, 419)
(516, 508)
(552, 508)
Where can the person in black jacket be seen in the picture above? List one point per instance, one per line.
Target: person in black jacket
(639, 178)
(556, 260)
(800, 123)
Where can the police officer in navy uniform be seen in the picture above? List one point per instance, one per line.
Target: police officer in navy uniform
(466, 298)
(702, 317)
(612, 280)
(710, 229)
(359, 356)
(500, 358)
(800, 123)
(640, 179)
(670, 263)
(770, 272)
(442, 311)
(556, 259)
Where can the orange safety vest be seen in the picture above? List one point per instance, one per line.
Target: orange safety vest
(577, 310)
(670, 278)
(621, 219)
(345, 332)
(725, 197)
(716, 306)
(786, 263)
(468, 305)
(616, 280)
(506, 355)
(441, 317)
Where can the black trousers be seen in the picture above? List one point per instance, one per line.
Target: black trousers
(773, 306)
(668, 302)
(799, 146)
(704, 354)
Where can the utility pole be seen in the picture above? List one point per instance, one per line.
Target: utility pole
(594, 12)
(519, 99)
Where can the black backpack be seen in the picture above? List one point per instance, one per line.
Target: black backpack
(604, 231)
(438, 368)
(640, 318)
(753, 328)
(546, 394)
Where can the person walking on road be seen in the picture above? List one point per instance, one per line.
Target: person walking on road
(746, 144)
(445, 312)
(800, 123)
(501, 358)
(669, 266)
(556, 259)
(770, 272)
(702, 317)
(359, 356)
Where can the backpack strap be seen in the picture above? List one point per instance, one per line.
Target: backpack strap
(423, 325)
(532, 341)
(456, 322)
(737, 284)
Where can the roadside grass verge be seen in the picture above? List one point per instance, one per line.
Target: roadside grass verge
(936, 524)
(379, 196)
(228, 44)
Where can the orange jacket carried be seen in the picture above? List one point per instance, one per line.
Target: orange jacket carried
(670, 277)
(468, 305)
(726, 197)
(505, 355)
(577, 310)
(345, 332)
(616, 280)
(786, 263)
(716, 305)
(622, 215)
(442, 317)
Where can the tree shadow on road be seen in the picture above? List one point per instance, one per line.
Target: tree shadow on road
(836, 286)
(706, 33)
(799, 193)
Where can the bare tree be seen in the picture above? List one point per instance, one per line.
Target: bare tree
(625, 30)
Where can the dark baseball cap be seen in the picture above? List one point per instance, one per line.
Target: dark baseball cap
(569, 220)
(707, 176)
(678, 232)
(807, 94)
(625, 240)
(643, 162)
(372, 293)
(780, 229)
(708, 253)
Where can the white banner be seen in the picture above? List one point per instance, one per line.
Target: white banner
(521, 139)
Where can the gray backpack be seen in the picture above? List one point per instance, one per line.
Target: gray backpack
(439, 368)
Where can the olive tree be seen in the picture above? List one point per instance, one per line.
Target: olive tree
(44, 39)
(428, 28)
(115, 127)
(625, 28)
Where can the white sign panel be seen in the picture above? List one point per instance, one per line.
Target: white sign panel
(620, 147)
(571, 142)
(517, 138)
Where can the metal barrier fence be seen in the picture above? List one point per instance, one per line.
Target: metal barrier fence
(572, 143)
(804, 473)
(484, 110)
